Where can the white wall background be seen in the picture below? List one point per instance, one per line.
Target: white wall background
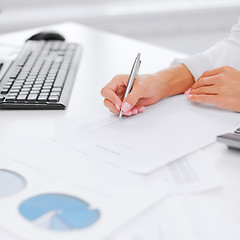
(186, 25)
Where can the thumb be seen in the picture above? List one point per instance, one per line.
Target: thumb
(131, 99)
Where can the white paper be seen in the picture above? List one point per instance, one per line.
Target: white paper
(90, 173)
(195, 172)
(166, 220)
(210, 216)
(113, 214)
(192, 173)
(34, 177)
(119, 196)
(165, 132)
(8, 235)
(100, 183)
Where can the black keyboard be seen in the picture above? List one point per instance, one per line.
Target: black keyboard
(41, 77)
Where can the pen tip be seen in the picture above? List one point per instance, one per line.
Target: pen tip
(120, 114)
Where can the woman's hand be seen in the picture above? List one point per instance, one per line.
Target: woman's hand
(220, 87)
(147, 89)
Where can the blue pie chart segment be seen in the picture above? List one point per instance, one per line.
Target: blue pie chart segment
(10, 183)
(58, 212)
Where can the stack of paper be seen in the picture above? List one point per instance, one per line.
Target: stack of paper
(109, 170)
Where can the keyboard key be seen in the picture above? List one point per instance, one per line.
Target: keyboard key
(60, 78)
(32, 79)
(56, 89)
(44, 94)
(36, 88)
(46, 84)
(22, 97)
(28, 84)
(34, 91)
(55, 94)
(12, 94)
(26, 89)
(18, 81)
(43, 98)
(32, 97)
(10, 81)
(37, 85)
(4, 90)
(17, 84)
(21, 77)
(7, 84)
(53, 75)
(40, 78)
(53, 98)
(14, 91)
(50, 78)
(45, 90)
(10, 98)
(40, 82)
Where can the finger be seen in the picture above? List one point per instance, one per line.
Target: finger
(114, 90)
(127, 113)
(213, 72)
(135, 110)
(132, 99)
(140, 109)
(204, 98)
(111, 106)
(204, 90)
(206, 81)
(109, 94)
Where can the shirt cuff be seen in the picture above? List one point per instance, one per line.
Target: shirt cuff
(196, 64)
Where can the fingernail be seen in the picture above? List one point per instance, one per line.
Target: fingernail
(189, 96)
(141, 109)
(187, 92)
(126, 107)
(117, 106)
(127, 113)
(134, 111)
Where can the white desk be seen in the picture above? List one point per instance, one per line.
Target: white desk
(104, 56)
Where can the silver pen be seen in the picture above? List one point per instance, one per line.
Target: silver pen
(132, 77)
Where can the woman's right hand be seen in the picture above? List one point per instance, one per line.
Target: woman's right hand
(147, 89)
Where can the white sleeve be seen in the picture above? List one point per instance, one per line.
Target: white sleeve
(224, 53)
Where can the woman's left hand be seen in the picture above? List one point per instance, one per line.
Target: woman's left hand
(220, 87)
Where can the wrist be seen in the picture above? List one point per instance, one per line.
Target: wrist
(175, 80)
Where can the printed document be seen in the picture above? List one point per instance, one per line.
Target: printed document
(165, 132)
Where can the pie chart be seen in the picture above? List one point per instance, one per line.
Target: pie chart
(58, 212)
(10, 183)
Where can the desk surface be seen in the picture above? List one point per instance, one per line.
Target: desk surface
(104, 56)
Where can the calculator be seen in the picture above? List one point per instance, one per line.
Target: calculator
(232, 140)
